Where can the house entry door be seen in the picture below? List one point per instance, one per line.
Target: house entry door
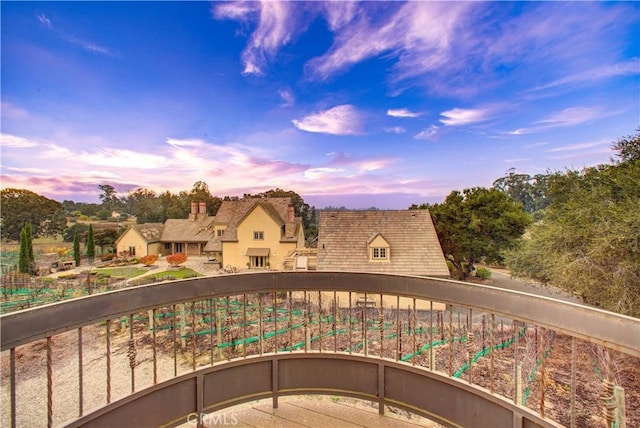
(258, 261)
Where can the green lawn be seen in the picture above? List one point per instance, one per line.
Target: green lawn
(177, 274)
(123, 272)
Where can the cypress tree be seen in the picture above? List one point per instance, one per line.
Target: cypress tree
(91, 249)
(23, 261)
(76, 248)
(29, 236)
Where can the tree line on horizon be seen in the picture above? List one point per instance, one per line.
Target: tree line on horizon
(576, 229)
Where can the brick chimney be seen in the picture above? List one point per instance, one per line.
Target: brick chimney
(194, 207)
(290, 214)
(203, 208)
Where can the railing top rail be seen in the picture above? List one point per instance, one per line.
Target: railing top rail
(612, 330)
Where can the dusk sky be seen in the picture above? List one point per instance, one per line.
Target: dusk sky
(358, 104)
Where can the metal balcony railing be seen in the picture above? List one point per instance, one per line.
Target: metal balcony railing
(458, 353)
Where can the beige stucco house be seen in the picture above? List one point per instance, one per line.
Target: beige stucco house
(245, 233)
(255, 233)
(384, 241)
(141, 239)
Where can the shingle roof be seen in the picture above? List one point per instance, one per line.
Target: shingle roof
(232, 213)
(343, 238)
(150, 232)
(185, 230)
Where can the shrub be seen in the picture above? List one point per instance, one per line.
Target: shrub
(149, 260)
(176, 259)
(483, 273)
(107, 257)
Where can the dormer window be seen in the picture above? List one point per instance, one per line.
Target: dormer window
(379, 253)
(379, 249)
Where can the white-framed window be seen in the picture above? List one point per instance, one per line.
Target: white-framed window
(379, 253)
(132, 251)
(220, 232)
(258, 235)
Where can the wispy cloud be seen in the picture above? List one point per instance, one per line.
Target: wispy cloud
(568, 117)
(417, 33)
(403, 112)
(275, 28)
(534, 145)
(427, 134)
(624, 68)
(580, 146)
(459, 116)
(44, 20)
(340, 120)
(395, 130)
(15, 142)
(88, 46)
(288, 99)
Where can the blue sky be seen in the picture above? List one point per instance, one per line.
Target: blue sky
(358, 104)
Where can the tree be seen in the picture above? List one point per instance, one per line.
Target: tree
(588, 241)
(29, 236)
(91, 249)
(76, 248)
(69, 233)
(26, 261)
(530, 191)
(477, 224)
(20, 206)
(200, 193)
(108, 197)
(105, 239)
(628, 147)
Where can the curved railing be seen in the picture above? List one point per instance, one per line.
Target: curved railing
(458, 353)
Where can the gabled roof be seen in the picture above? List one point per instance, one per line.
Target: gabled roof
(233, 213)
(149, 232)
(186, 230)
(344, 237)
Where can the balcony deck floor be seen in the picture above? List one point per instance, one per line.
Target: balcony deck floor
(312, 412)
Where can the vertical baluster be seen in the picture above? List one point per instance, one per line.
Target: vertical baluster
(470, 344)
(335, 323)
(290, 293)
(80, 373)
(260, 340)
(275, 322)
(573, 381)
(193, 335)
(491, 344)
(12, 362)
(431, 360)
(320, 320)
(108, 338)
(212, 317)
(49, 383)
(398, 352)
(131, 353)
(155, 352)
(516, 364)
(364, 325)
(415, 322)
(173, 335)
(350, 322)
(542, 370)
(381, 323)
(450, 332)
(244, 325)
